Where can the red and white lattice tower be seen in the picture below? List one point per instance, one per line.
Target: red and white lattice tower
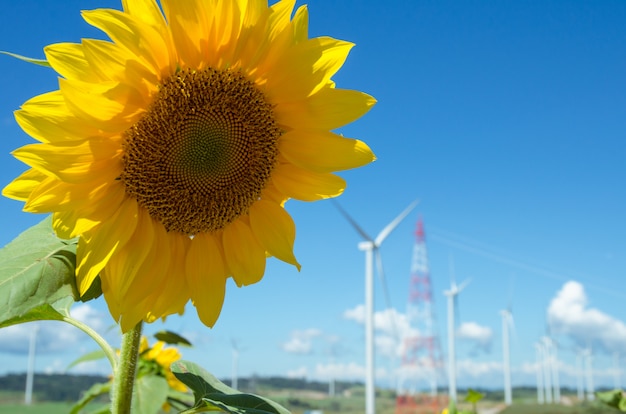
(422, 361)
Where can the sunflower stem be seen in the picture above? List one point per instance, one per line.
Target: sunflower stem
(124, 377)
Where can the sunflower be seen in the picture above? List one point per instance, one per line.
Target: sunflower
(157, 359)
(172, 148)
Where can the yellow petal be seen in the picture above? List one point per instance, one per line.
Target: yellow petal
(127, 269)
(111, 106)
(189, 25)
(147, 11)
(112, 62)
(74, 161)
(306, 68)
(301, 24)
(328, 109)
(96, 248)
(324, 151)
(138, 37)
(47, 118)
(245, 257)
(267, 35)
(54, 195)
(173, 292)
(280, 18)
(149, 284)
(71, 223)
(275, 229)
(271, 193)
(143, 345)
(68, 224)
(206, 276)
(69, 61)
(306, 185)
(21, 187)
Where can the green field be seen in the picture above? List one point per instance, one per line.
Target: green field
(558, 409)
(39, 408)
(351, 401)
(332, 406)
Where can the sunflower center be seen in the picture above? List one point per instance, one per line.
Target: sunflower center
(203, 152)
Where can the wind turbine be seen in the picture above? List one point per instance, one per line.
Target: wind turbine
(617, 374)
(588, 355)
(579, 375)
(507, 320)
(371, 246)
(234, 379)
(30, 372)
(452, 299)
(540, 388)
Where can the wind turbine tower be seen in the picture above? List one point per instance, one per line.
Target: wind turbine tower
(589, 374)
(452, 295)
(540, 388)
(421, 351)
(371, 247)
(507, 320)
(234, 378)
(30, 373)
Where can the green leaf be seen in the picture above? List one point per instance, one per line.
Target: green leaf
(40, 62)
(474, 396)
(242, 403)
(91, 356)
(171, 338)
(150, 394)
(622, 404)
(179, 400)
(95, 391)
(36, 269)
(211, 392)
(610, 398)
(55, 312)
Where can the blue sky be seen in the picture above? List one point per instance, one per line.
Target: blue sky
(506, 119)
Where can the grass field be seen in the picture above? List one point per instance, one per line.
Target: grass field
(39, 408)
(301, 401)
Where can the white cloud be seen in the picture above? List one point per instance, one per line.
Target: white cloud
(346, 371)
(356, 314)
(476, 369)
(55, 367)
(389, 321)
(569, 314)
(301, 342)
(478, 334)
(392, 328)
(89, 316)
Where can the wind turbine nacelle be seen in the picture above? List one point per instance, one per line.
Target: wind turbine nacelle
(366, 245)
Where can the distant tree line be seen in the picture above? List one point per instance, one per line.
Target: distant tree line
(51, 387)
(253, 384)
(65, 387)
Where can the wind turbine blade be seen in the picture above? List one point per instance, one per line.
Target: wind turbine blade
(453, 286)
(354, 224)
(391, 226)
(463, 285)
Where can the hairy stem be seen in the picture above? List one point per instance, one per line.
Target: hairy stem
(124, 376)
